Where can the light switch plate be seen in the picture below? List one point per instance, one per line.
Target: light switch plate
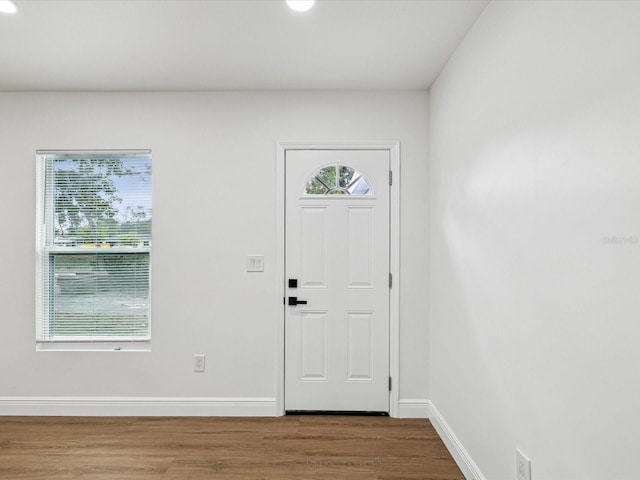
(255, 263)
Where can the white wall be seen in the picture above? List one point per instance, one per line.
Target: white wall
(534, 165)
(214, 202)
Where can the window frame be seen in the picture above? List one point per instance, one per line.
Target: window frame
(45, 227)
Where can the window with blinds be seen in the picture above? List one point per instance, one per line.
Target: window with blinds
(94, 247)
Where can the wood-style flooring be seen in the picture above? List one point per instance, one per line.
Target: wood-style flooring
(195, 448)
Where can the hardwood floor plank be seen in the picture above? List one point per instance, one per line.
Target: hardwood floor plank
(195, 448)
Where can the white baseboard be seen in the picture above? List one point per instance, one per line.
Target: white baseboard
(469, 468)
(413, 408)
(138, 406)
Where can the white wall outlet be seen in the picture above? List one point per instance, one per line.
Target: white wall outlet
(255, 263)
(198, 362)
(523, 466)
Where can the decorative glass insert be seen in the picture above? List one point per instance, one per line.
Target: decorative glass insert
(338, 180)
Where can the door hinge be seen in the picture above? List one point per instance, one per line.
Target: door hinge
(390, 383)
(390, 280)
(390, 177)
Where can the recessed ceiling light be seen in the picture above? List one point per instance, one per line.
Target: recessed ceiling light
(300, 5)
(7, 6)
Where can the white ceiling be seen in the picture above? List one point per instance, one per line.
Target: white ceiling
(117, 45)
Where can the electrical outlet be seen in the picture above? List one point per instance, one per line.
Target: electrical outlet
(523, 466)
(198, 363)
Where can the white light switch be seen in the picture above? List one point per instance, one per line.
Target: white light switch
(255, 263)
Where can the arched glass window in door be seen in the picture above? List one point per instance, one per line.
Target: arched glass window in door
(338, 180)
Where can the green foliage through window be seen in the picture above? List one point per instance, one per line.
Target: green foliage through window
(101, 201)
(338, 180)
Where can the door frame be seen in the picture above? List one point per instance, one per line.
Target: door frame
(393, 147)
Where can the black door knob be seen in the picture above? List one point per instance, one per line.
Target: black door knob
(295, 301)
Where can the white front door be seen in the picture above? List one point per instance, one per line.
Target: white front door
(337, 262)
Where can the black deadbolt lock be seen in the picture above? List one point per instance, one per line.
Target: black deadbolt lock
(293, 283)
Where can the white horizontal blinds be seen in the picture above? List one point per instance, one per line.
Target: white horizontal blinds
(96, 261)
(99, 200)
(100, 297)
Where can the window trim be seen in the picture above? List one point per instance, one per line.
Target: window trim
(44, 220)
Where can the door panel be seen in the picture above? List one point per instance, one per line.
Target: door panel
(313, 243)
(313, 347)
(360, 346)
(360, 247)
(337, 247)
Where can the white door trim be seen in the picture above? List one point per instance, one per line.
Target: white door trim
(393, 147)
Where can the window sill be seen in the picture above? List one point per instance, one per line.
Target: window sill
(94, 347)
